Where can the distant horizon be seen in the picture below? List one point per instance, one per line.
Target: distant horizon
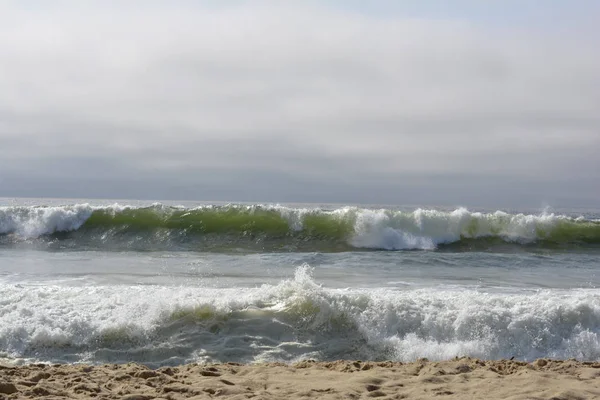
(541, 209)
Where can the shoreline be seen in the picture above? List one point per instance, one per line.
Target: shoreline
(459, 378)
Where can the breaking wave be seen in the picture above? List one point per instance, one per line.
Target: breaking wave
(293, 320)
(278, 228)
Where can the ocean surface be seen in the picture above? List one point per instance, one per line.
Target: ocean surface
(168, 283)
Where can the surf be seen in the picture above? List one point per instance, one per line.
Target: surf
(292, 320)
(280, 228)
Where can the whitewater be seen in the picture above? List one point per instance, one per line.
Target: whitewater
(167, 283)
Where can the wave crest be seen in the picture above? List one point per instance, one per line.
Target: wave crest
(277, 228)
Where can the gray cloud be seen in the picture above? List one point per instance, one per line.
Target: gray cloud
(275, 102)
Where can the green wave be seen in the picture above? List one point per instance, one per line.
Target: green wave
(276, 228)
(222, 220)
(570, 231)
(317, 224)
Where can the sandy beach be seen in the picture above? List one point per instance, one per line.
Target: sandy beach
(464, 378)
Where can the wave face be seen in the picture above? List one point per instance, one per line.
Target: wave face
(292, 320)
(277, 228)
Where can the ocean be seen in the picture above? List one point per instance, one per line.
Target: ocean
(168, 283)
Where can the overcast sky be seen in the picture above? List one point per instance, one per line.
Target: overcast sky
(493, 103)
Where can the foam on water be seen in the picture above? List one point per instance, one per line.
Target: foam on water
(267, 227)
(29, 222)
(292, 320)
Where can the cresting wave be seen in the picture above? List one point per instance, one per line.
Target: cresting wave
(293, 320)
(278, 228)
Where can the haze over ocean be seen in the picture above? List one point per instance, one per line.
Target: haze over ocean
(411, 103)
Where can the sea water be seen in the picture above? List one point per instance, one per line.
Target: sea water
(168, 283)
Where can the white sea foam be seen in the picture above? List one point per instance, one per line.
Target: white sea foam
(31, 222)
(292, 320)
(425, 229)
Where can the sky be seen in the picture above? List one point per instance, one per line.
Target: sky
(468, 103)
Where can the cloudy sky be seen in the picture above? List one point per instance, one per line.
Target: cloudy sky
(391, 102)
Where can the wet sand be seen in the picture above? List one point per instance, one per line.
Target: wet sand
(464, 378)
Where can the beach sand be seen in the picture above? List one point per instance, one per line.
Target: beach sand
(464, 378)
